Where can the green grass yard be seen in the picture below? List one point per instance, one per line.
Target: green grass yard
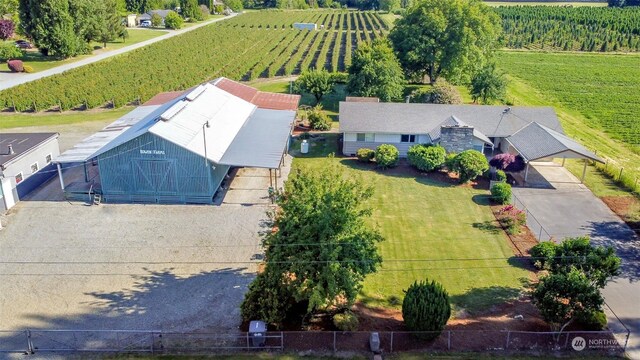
(433, 230)
(12, 120)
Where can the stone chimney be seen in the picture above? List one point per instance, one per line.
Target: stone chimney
(456, 138)
(11, 152)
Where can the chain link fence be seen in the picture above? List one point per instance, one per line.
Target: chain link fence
(532, 223)
(324, 342)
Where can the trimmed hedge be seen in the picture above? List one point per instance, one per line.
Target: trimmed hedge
(365, 155)
(501, 193)
(425, 157)
(387, 156)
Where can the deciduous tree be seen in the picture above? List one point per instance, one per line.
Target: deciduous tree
(7, 29)
(52, 27)
(488, 85)
(173, 20)
(375, 71)
(322, 245)
(315, 82)
(190, 10)
(453, 38)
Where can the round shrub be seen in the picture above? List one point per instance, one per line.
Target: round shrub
(173, 20)
(15, 65)
(426, 308)
(318, 119)
(501, 176)
(365, 155)
(9, 51)
(440, 93)
(508, 162)
(347, 321)
(543, 253)
(470, 164)
(425, 157)
(387, 156)
(28, 69)
(501, 193)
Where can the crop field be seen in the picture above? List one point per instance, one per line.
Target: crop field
(244, 48)
(576, 29)
(595, 96)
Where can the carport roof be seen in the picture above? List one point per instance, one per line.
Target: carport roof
(536, 141)
(261, 140)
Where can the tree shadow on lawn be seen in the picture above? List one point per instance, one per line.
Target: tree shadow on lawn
(488, 226)
(480, 300)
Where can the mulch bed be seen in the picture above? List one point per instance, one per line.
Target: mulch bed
(520, 243)
(627, 208)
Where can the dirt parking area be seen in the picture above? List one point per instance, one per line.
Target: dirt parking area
(73, 266)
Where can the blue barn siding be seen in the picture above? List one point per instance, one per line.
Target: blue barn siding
(151, 169)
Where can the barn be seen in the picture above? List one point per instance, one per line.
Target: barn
(178, 147)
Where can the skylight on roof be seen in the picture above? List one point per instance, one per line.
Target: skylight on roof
(196, 92)
(174, 110)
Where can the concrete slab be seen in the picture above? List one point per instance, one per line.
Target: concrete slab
(250, 186)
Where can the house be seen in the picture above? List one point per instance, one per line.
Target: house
(25, 163)
(179, 146)
(146, 17)
(532, 132)
(131, 20)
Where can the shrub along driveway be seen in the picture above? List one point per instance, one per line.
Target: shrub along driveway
(573, 211)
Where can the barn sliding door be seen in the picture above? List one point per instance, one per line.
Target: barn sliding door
(156, 177)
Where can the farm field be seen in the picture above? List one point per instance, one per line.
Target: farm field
(595, 96)
(235, 49)
(8, 121)
(442, 232)
(546, 3)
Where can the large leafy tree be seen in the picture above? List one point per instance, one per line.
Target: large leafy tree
(51, 25)
(109, 25)
(191, 10)
(9, 8)
(315, 82)
(137, 6)
(375, 71)
(453, 38)
(322, 246)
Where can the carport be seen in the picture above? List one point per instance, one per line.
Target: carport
(536, 142)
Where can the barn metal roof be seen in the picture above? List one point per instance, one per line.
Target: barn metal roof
(264, 100)
(262, 140)
(536, 141)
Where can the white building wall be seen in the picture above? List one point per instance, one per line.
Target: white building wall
(23, 163)
(350, 144)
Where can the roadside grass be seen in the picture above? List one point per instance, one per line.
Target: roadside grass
(526, 90)
(13, 120)
(432, 230)
(39, 62)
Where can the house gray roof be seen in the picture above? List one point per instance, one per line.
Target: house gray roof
(454, 121)
(536, 141)
(163, 13)
(21, 143)
(399, 118)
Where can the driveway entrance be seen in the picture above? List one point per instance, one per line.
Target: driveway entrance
(564, 208)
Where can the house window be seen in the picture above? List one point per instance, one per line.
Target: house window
(18, 178)
(48, 159)
(34, 168)
(407, 138)
(368, 137)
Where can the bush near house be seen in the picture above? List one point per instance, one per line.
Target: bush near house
(426, 157)
(347, 321)
(318, 119)
(469, 164)
(426, 308)
(9, 51)
(15, 65)
(387, 156)
(508, 162)
(440, 93)
(501, 176)
(512, 219)
(173, 21)
(501, 193)
(365, 155)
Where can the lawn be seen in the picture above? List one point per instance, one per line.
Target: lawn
(40, 63)
(594, 95)
(12, 120)
(433, 230)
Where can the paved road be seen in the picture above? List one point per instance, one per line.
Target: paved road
(19, 79)
(567, 208)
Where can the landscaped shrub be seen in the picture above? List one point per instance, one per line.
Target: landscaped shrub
(592, 320)
(470, 164)
(426, 157)
(9, 51)
(318, 119)
(173, 20)
(267, 300)
(7, 28)
(387, 156)
(450, 161)
(15, 65)
(426, 308)
(501, 176)
(28, 69)
(508, 162)
(543, 253)
(512, 219)
(365, 155)
(347, 321)
(501, 193)
(440, 93)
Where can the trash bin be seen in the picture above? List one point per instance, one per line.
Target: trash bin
(258, 333)
(374, 342)
(304, 147)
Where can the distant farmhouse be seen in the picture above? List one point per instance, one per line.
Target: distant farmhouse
(179, 146)
(532, 132)
(25, 164)
(146, 17)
